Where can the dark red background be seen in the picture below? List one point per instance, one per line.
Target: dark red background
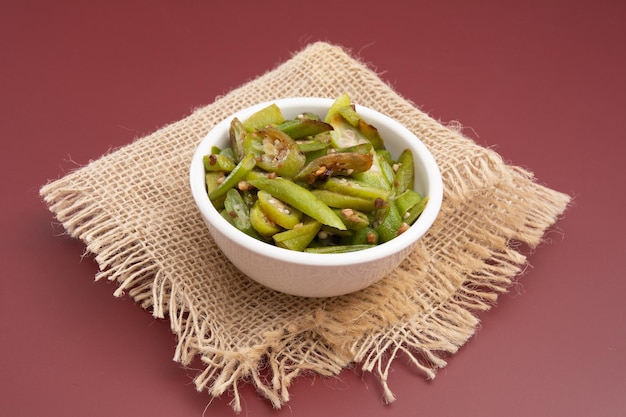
(541, 82)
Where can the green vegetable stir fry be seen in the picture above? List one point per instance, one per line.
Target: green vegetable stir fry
(313, 185)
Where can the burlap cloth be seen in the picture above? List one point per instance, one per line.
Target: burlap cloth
(134, 210)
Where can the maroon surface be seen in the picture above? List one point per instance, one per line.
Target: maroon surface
(540, 82)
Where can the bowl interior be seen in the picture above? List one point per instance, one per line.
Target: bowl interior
(396, 137)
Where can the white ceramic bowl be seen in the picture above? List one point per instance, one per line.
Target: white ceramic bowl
(309, 274)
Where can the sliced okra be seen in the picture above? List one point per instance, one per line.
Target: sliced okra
(238, 213)
(261, 223)
(375, 175)
(249, 197)
(364, 236)
(363, 148)
(245, 166)
(322, 186)
(303, 127)
(353, 219)
(298, 238)
(344, 134)
(311, 145)
(236, 134)
(277, 211)
(387, 171)
(212, 180)
(267, 116)
(308, 115)
(340, 102)
(330, 234)
(218, 162)
(343, 110)
(299, 198)
(414, 212)
(256, 174)
(349, 114)
(229, 153)
(343, 201)
(404, 177)
(385, 156)
(371, 133)
(350, 186)
(275, 151)
(407, 200)
(335, 163)
(385, 161)
(391, 224)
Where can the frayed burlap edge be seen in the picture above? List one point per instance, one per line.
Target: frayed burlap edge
(311, 345)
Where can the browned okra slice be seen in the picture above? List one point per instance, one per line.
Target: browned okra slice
(275, 151)
(335, 163)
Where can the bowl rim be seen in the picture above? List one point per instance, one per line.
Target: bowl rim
(404, 241)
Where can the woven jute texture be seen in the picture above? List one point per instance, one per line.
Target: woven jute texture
(134, 211)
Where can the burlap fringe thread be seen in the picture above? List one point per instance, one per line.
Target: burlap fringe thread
(424, 310)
